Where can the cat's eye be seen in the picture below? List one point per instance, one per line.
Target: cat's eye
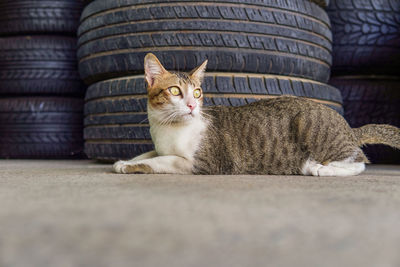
(174, 90)
(197, 93)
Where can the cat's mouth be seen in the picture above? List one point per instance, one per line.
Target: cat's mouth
(188, 116)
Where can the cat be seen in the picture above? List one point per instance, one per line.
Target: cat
(285, 135)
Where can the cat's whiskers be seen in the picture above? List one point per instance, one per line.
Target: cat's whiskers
(162, 117)
(146, 119)
(170, 119)
(168, 116)
(165, 119)
(206, 116)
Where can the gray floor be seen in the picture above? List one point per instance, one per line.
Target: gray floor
(78, 213)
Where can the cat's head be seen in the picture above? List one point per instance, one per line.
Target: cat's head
(174, 97)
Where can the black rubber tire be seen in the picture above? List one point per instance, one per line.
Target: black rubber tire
(41, 127)
(273, 37)
(87, 2)
(39, 65)
(115, 110)
(366, 36)
(369, 100)
(372, 100)
(44, 16)
(116, 150)
(128, 94)
(381, 154)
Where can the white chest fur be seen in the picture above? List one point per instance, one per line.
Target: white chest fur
(179, 140)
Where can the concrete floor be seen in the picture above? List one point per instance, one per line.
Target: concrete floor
(78, 213)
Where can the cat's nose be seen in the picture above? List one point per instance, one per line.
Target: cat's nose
(191, 106)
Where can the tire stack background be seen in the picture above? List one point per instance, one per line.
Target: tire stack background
(41, 93)
(255, 50)
(366, 65)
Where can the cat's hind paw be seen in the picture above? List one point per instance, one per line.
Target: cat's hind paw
(334, 168)
(129, 167)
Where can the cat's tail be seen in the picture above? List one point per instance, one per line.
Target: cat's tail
(378, 134)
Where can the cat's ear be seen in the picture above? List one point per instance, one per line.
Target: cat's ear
(198, 73)
(152, 69)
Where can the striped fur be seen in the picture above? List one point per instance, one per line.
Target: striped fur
(274, 136)
(283, 135)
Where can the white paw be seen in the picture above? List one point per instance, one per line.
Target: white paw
(119, 166)
(315, 170)
(132, 167)
(327, 171)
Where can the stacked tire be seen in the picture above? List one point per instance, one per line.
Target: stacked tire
(41, 93)
(255, 50)
(366, 65)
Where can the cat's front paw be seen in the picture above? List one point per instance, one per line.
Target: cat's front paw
(129, 167)
(118, 166)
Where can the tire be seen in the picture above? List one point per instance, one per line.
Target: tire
(116, 125)
(116, 150)
(372, 100)
(264, 37)
(31, 17)
(39, 65)
(381, 154)
(366, 36)
(41, 127)
(87, 2)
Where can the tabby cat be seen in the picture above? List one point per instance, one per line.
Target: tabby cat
(283, 135)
